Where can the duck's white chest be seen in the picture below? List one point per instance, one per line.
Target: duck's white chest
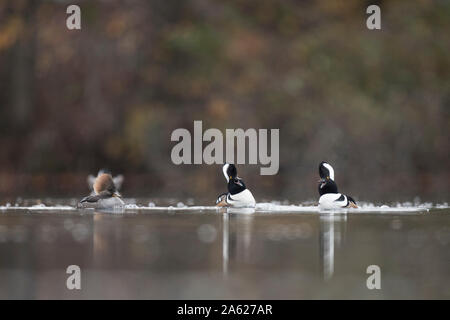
(241, 199)
(332, 201)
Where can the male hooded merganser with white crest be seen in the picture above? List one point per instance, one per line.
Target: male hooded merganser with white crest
(238, 195)
(118, 180)
(330, 198)
(105, 194)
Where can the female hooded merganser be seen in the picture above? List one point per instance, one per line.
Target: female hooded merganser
(238, 195)
(330, 198)
(118, 180)
(105, 194)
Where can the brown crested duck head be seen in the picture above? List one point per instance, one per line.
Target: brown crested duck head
(104, 182)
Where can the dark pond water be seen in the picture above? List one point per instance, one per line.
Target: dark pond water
(204, 254)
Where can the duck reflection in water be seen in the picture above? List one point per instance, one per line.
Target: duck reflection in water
(237, 242)
(331, 238)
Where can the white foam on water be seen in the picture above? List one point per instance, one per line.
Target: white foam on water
(362, 208)
(38, 207)
(170, 208)
(276, 207)
(263, 207)
(442, 206)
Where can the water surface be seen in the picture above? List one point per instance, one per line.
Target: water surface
(277, 252)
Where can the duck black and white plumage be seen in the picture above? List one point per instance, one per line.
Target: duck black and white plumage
(105, 194)
(238, 195)
(330, 198)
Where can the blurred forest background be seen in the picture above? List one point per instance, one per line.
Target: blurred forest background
(375, 104)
